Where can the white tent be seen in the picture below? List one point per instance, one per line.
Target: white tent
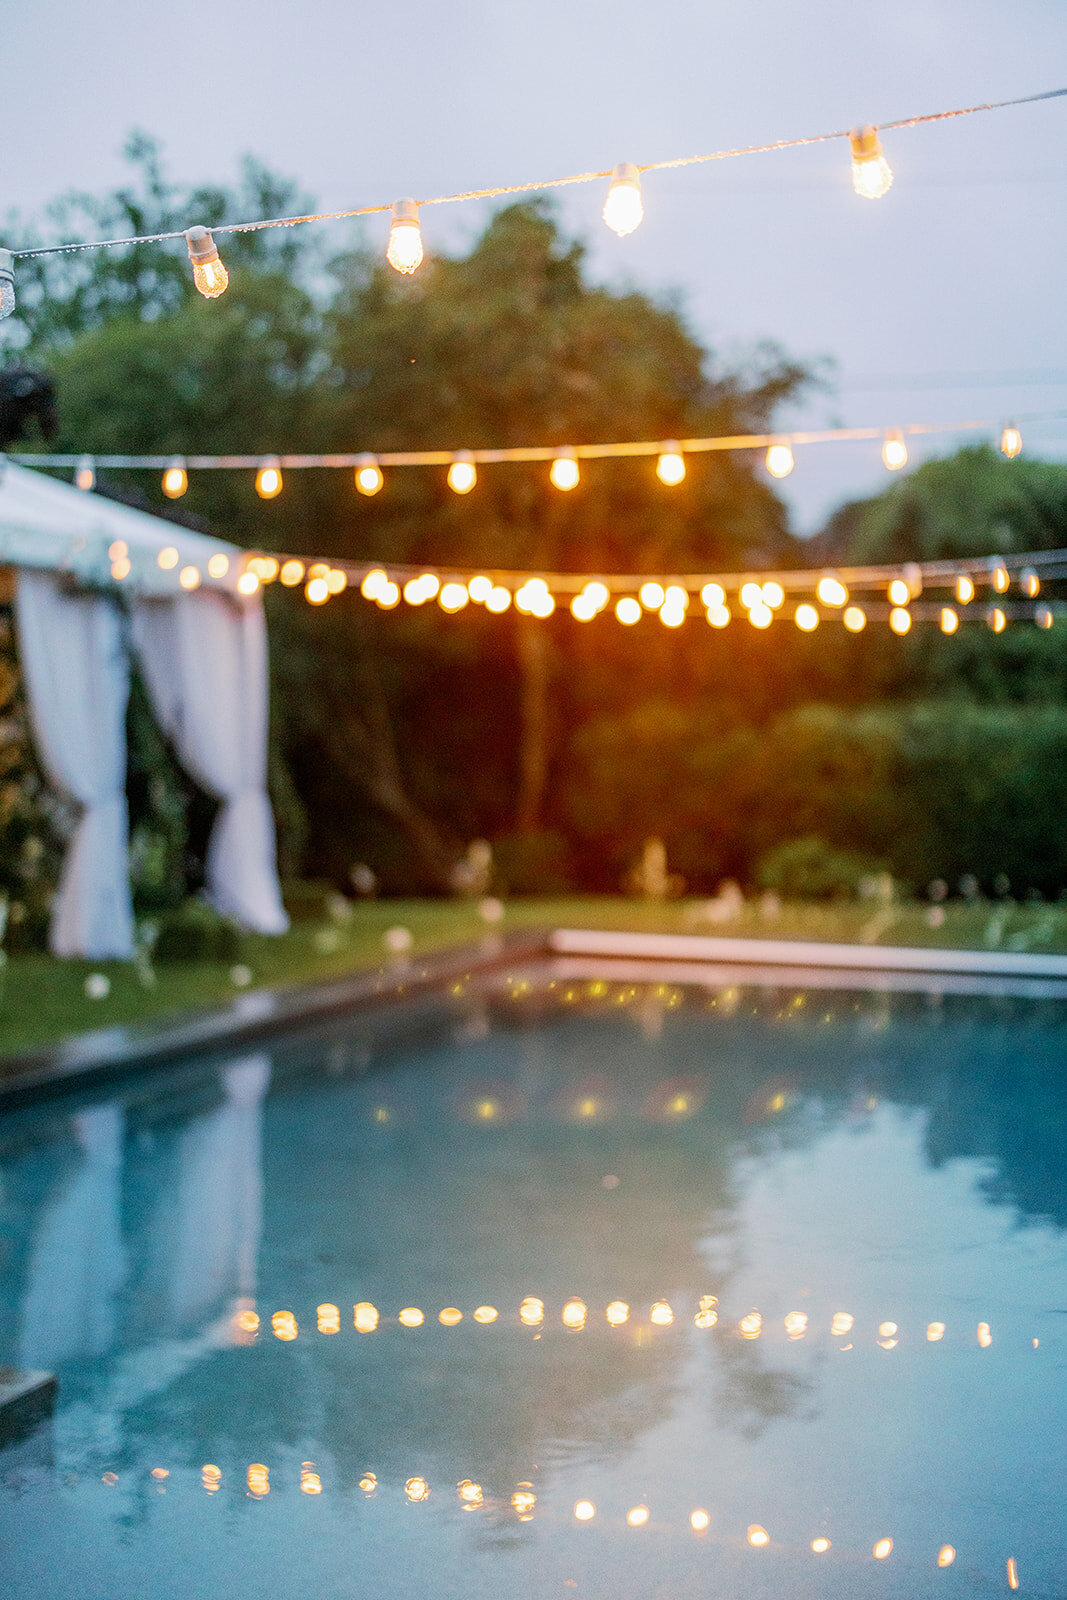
(98, 581)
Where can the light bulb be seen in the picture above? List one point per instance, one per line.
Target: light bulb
(462, 474)
(219, 565)
(623, 208)
(247, 583)
(964, 589)
(854, 619)
(372, 583)
(895, 451)
(598, 593)
(1011, 441)
(780, 461)
(405, 237)
(85, 474)
(651, 596)
(773, 595)
(269, 479)
(628, 611)
(369, 477)
(760, 616)
(899, 592)
(498, 599)
(718, 616)
(564, 472)
(175, 480)
(292, 573)
(7, 283)
(453, 597)
(1044, 618)
(831, 591)
(670, 468)
(582, 608)
(1029, 583)
(872, 175)
(480, 588)
(713, 594)
(900, 620)
(751, 594)
(949, 620)
(209, 274)
(806, 618)
(997, 620)
(998, 577)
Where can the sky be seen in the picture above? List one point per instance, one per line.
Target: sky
(939, 302)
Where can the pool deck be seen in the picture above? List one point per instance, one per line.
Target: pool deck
(251, 1019)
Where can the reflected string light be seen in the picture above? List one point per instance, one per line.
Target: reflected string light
(368, 1483)
(699, 1520)
(450, 1316)
(574, 1314)
(617, 1313)
(1013, 1573)
(894, 450)
(842, 1323)
(471, 1494)
(661, 1314)
(934, 1332)
(411, 1317)
(796, 1324)
(532, 1312)
(946, 1556)
(872, 176)
(523, 1502)
(1011, 441)
(310, 1482)
(670, 468)
(365, 1317)
(707, 1314)
(258, 1480)
(486, 1314)
(623, 207)
(329, 1319)
(404, 252)
(886, 1330)
(417, 1490)
(284, 1325)
(211, 1477)
(985, 1337)
(751, 1326)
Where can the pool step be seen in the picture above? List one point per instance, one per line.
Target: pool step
(26, 1398)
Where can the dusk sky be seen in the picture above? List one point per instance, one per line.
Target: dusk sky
(940, 302)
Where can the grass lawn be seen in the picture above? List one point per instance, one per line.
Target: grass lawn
(44, 1000)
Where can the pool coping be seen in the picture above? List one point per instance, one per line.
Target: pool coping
(107, 1053)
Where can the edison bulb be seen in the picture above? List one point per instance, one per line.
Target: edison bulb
(85, 474)
(806, 618)
(7, 283)
(564, 473)
(997, 620)
(713, 594)
(899, 592)
(964, 589)
(900, 620)
(780, 462)
(1011, 441)
(369, 477)
(453, 597)
(209, 274)
(831, 591)
(651, 596)
(949, 620)
(462, 474)
(1029, 582)
(760, 616)
(628, 611)
(773, 595)
(872, 175)
(405, 238)
(623, 208)
(751, 594)
(895, 451)
(269, 479)
(854, 619)
(175, 480)
(670, 468)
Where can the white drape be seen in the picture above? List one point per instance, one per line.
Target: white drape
(77, 676)
(204, 658)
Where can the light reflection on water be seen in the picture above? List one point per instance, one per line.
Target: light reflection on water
(624, 1221)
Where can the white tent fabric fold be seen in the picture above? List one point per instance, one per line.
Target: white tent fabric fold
(77, 675)
(204, 660)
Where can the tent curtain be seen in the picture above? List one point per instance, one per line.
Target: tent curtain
(204, 659)
(76, 673)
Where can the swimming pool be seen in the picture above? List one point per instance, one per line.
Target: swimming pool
(663, 1289)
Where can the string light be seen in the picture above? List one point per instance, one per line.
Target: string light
(996, 619)
(404, 252)
(900, 620)
(479, 589)
(949, 620)
(624, 208)
(872, 175)
(85, 475)
(269, 479)
(628, 611)
(651, 596)
(964, 589)
(713, 594)
(1011, 441)
(831, 591)
(760, 616)
(899, 592)
(670, 468)
(806, 618)
(291, 573)
(7, 283)
(369, 478)
(998, 577)
(854, 619)
(189, 578)
(564, 473)
(1029, 583)
(387, 597)
(780, 462)
(453, 597)
(751, 594)
(219, 565)
(317, 591)
(772, 594)
(718, 616)
(894, 450)
(1043, 617)
(498, 599)
(462, 474)
(209, 274)
(175, 479)
(247, 583)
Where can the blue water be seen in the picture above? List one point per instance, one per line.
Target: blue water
(800, 1154)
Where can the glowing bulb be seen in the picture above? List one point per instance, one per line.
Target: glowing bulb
(532, 1312)
(450, 1316)
(328, 1318)
(882, 1549)
(453, 597)
(946, 1556)
(1029, 582)
(758, 1536)
(480, 589)
(1011, 441)
(189, 577)
(760, 616)
(371, 586)
(806, 618)
(471, 1494)
(998, 577)
(411, 1317)
(751, 1325)
(167, 558)
(675, 595)
(661, 1314)
(369, 476)
(773, 595)
(628, 611)
(462, 474)
(365, 1317)
(670, 468)
(584, 1510)
(780, 462)
(699, 1520)
(718, 616)
(209, 274)
(269, 479)
(751, 594)
(831, 591)
(872, 175)
(564, 472)
(1044, 617)
(671, 614)
(623, 208)
(175, 480)
(417, 1489)
(997, 620)
(486, 1314)
(713, 594)
(964, 589)
(842, 1323)
(894, 451)
(899, 592)
(582, 608)
(574, 1314)
(336, 580)
(796, 1324)
(317, 590)
(949, 620)
(707, 1313)
(292, 573)
(985, 1338)
(854, 619)
(416, 593)
(85, 475)
(498, 599)
(219, 565)
(247, 583)
(284, 1325)
(529, 594)
(820, 1546)
(405, 238)
(935, 1331)
(617, 1313)
(120, 569)
(651, 595)
(7, 283)
(899, 620)
(388, 595)
(637, 1516)
(523, 1502)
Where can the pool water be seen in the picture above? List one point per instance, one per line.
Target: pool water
(829, 1226)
